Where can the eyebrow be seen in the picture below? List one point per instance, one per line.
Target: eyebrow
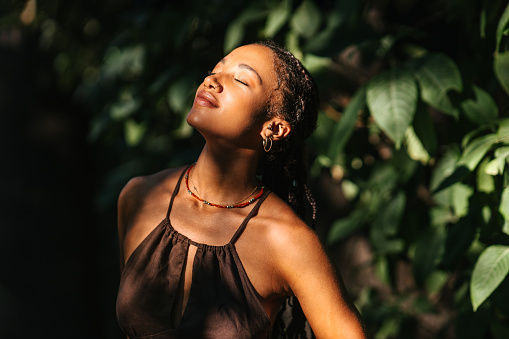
(246, 66)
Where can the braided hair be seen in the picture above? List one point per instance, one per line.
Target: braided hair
(284, 167)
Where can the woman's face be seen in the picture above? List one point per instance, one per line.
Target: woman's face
(230, 104)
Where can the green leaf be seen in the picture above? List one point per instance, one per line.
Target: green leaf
(472, 155)
(435, 281)
(345, 127)
(476, 150)
(233, 36)
(481, 109)
(425, 130)
(504, 204)
(314, 63)
(415, 149)
(438, 74)
(489, 271)
(485, 181)
(497, 165)
(460, 195)
(503, 132)
(342, 228)
(386, 225)
(307, 19)
(276, 18)
(505, 228)
(429, 249)
(460, 237)
(502, 23)
(501, 68)
(388, 220)
(444, 167)
(134, 132)
(392, 100)
(179, 94)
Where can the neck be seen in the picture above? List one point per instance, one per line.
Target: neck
(225, 177)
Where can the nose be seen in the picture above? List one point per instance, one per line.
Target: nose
(211, 82)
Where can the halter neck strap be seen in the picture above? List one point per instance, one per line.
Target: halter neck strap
(251, 214)
(175, 191)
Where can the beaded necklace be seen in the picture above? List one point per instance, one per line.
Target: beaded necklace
(234, 205)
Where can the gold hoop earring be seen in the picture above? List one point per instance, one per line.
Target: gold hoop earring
(265, 143)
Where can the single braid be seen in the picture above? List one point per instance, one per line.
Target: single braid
(284, 168)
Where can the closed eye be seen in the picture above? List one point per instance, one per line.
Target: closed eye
(242, 82)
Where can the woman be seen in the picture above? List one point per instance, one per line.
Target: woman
(227, 252)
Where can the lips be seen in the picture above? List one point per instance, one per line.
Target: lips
(205, 99)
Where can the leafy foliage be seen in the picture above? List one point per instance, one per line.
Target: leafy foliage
(413, 140)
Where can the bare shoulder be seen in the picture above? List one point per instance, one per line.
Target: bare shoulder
(287, 231)
(137, 189)
(305, 270)
(141, 206)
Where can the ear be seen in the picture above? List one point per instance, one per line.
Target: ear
(276, 128)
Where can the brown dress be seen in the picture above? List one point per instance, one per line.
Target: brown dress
(222, 302)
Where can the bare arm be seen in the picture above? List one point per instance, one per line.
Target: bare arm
(125, 210)
(318, 286)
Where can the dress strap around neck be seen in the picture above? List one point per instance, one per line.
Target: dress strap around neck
(251, 214)
(176, 190)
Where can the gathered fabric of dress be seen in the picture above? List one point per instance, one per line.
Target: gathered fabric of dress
(222, 302)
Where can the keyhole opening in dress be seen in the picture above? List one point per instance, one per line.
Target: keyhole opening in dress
(184, 288)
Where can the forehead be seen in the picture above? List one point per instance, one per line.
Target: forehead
(260, 58)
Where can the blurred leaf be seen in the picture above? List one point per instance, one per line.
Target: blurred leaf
(501, 68)
(382, 269)
(125, 63)
(179, 94)
(470, 158)
(389, 217)
(292, 44)
(445, 167)
(459, 239)
(392, 99)
(134, 132)
(505, 228)
(503, 132)
(424, 130)
(429, 249)
(233, 36)
(435, 281)
(307, 19)
(343, 227)
(235, 32)
(415, 149)
(437, 75)
(277, 17)
(389, 329)
(502, 24)
(476, 150)
(489, 271)
(460, 195)
(346, 125)
(496, 166)
(485, 181)
(504, 204)
(314, 63)
(386, 225)
(124, 108)
(482, 109)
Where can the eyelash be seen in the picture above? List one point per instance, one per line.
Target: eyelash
(242, 82)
